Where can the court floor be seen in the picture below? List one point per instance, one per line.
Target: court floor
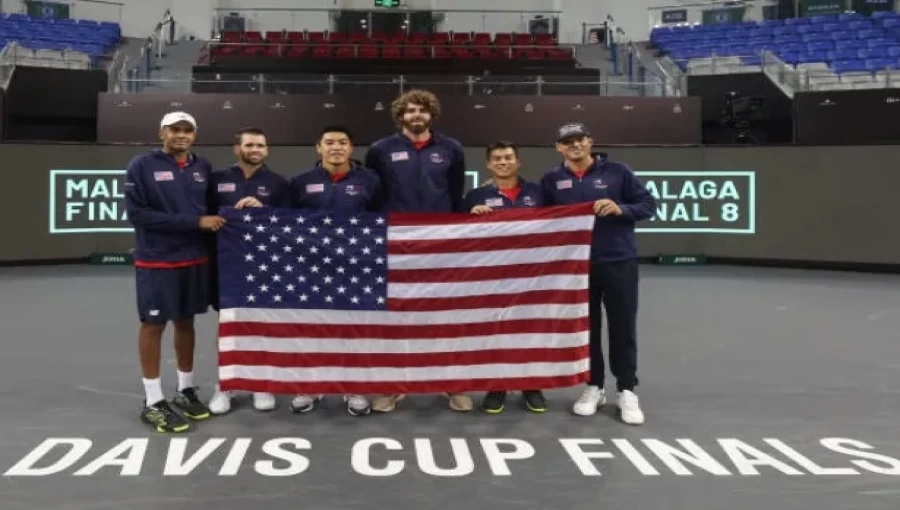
(763, 388)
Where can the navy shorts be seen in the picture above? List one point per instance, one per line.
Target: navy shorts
(172, 294)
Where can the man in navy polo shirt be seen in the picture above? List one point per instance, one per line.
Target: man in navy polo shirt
(336, 183)
(167, 199)
(248, 183)
(620, 201)
(421, 171)
(506, 190)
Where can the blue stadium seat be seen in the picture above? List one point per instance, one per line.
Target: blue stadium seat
(849, 66)
(58, 34)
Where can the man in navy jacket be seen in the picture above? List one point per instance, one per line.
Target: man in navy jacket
(421, 171)
(166, 198)
(248, 183)
(506, 190)
(336, 183)
(620, 201)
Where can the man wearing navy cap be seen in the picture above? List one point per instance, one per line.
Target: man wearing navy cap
(620, 201)
(167, 201)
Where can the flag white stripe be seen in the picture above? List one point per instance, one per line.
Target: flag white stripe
(490, 229)
(392, 318)
(385, 374)
(505, 286)
(379, 346)
(489, 258)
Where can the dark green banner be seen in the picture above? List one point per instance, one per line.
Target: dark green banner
(867, 7)
(37, 9)
(727, 15)
(821, 7)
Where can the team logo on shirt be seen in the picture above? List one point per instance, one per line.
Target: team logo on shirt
(262, 191)
(352, 189)
(437, 158)
(527, 200)
(199, 177)
(567, 184)
(400, 156)
(163, 176)
(494, 202)
(226, 187)
(599, 184)
(315, 188)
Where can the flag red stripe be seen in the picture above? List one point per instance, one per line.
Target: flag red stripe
(523, 214)
(478, 274)
(514, 242)
(402, 332)
(532, 297)
(407, 360)
(403, 387)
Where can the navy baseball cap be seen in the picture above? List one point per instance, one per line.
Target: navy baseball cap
(572, 130)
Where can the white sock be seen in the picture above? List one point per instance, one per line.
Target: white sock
(185, 380)
(153, 391)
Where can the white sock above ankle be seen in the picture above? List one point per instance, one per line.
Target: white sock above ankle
(185, 380)
(153, 391)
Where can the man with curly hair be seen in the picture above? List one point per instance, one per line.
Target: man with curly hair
(421, 171)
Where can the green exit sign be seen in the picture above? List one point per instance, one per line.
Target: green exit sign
(387, 3)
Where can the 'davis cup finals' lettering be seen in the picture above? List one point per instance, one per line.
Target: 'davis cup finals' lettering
(387, 457)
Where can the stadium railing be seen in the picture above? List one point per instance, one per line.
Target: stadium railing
(699, 13)
(531, 85)
(135, 71)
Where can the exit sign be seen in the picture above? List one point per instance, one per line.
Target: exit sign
(387, 3)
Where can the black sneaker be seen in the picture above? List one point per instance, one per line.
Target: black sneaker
(493, 402)
(534, 401)
(162, 418)
(190, 404)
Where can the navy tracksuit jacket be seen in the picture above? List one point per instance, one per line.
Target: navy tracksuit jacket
(530, 195)
(359, 190)
(614, 236)
(164, 203)
(430, 179)
(229, 186)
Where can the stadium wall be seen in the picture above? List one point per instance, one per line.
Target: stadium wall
(788, 204)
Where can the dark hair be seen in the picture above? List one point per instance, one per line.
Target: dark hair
(239, 136)
(501, 145)
(335, 129)
(423, 98)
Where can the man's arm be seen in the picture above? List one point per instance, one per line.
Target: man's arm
(547, 190)
(377, 201)
(639, 204)
(282, 196)
(142, 214)
(457, 180)
(373, 163)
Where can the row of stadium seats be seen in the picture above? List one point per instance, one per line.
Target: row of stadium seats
(86, 36)
(380, 37)
(388, 52)
(844, 43)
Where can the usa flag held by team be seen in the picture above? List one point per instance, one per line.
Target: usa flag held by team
(318, 302)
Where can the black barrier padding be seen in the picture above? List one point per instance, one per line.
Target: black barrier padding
(847, 117)
(826, 204)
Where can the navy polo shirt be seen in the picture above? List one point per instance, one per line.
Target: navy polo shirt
(358, 190)
(530, 195)
(230, 185)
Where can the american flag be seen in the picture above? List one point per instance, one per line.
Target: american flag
(319, 302)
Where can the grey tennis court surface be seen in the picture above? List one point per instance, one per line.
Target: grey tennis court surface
(763, 388)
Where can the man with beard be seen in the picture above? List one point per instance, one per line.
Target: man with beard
(249, 183)
(620, 201)
(422, 171)
(336, 183)
(506, 190)
(166, 200)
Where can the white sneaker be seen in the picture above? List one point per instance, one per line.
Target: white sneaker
(592, 398)
(357, 405)
(220, 403)
(630, 408)
(305, 403)
(263, 401)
